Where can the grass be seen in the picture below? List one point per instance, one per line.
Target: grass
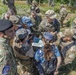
(23, 9)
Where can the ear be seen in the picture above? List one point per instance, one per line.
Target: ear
(1, 34)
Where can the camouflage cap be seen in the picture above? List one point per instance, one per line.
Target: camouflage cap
(51, 14)
(5, 24)
(68, 32)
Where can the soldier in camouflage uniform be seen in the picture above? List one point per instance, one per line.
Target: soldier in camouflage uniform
(50, 20)
(63, 14)
(24, 52)
(7, 60)
(68, 45)
(11, 6)
(36, 20)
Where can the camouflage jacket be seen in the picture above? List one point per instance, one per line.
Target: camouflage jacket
(55, 25)
(36, 21)
(63, 12)
(7, 60)
(68, 51)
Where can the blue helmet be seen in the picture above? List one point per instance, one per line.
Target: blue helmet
(26, 20)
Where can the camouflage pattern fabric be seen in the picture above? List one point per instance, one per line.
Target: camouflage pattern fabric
(11, 6)
(25, 63)
(43, 25)
(63, 14)
(68, 51)
(55, 25)
(25, 67)
(7, 60)
(36, 21)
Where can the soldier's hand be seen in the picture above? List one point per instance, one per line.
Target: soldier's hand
(56, 72)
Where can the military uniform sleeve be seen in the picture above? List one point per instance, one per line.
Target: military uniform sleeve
(3, 62)
(41, 26)
(7, 61)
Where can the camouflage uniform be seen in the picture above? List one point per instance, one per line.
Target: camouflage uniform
(7, 58)
(63, 14)
(55, 26)
(73, 28)
(68, 48)
(11, 6)
(25, 63)
(36, 21)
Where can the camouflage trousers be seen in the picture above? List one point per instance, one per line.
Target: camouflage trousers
(25, 67)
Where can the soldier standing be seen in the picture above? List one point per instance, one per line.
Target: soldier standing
(63, 14)
(11, 6)
(36, 20)
(7, 60)
(35, 7)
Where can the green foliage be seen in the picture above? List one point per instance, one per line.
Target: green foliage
(41, 1)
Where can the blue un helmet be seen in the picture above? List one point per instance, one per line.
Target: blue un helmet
(26, 20)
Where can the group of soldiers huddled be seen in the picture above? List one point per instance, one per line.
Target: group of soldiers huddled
(30, 45)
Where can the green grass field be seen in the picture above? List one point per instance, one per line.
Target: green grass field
(23, 9)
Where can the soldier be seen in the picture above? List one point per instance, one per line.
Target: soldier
(68, 49)
(24, 52)
(36, 20)
(29, 1)
(11, 6)
(50, 20)
(35, 7)
(7, 60)
(63, 14)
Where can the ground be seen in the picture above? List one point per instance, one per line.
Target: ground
(23, 9)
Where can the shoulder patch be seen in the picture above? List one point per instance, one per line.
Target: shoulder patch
(5, 70)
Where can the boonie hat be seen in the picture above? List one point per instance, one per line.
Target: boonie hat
(51, 14)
